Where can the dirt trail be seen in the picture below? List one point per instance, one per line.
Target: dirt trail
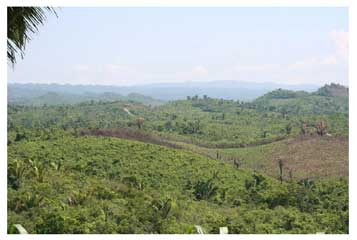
(128, 112)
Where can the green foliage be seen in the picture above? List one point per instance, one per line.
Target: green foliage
(203, 122)
(333, 90)
(330, 99)
(205, 190)
(108, 185)
(61, 180)
(16, 172)
(21, 23)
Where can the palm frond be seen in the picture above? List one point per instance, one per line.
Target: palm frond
(21, 23)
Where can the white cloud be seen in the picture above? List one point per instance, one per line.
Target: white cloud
(313, 63)
(319, 68)
(256, 67)
(104, 68)
(199, 71)
(340, 38)
(331, 67)
(117, 68)
(106, 74)
(329, 60)
(81, 68)
(303, 64)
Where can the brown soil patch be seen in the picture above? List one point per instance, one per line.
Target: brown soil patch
(130, 134)
(312, 157)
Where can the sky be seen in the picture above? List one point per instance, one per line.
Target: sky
(135, 46)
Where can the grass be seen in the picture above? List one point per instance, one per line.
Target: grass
(309, 157)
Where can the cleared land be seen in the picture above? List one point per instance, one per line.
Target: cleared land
(303, 157)
(309, 157)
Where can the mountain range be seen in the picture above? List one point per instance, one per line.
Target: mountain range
(161, 91)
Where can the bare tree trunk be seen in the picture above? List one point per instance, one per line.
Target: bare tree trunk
(281, 164)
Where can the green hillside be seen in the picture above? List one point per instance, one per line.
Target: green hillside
(278, 164)
(328, 99)
(203, 121)
(68, 184)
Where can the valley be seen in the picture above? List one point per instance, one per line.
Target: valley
(276, 164)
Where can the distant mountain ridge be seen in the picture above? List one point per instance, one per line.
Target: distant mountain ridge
(163, 91)
(30, 95)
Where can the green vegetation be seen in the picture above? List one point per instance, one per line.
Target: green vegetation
(21, 23)
(320, 102)
(109, 185)
(78, 168)
(204, 122)
(333, 90)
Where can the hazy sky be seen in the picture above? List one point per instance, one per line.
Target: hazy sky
(125, 46)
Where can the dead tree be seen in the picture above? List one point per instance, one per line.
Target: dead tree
(303, 129)
(321, 128)
(281, 164)
(290, 171)
(288, 129)
(237, 163)
(139, 122)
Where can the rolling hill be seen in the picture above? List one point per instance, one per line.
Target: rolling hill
(278, 164)
(69, 184)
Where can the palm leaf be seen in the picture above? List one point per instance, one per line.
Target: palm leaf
(21, 23)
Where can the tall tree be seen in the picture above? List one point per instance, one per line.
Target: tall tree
(21, 23)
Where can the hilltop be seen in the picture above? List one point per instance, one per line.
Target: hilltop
(333, 90)
(326, 100)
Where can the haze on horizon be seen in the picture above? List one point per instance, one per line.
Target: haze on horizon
(130, 46)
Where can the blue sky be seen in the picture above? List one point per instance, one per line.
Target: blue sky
(127, 46)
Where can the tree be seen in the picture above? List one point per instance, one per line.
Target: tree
(204, 190)
(290, 170)
(139, 122)
(237, 163)
(321, 128)
(168, 125)
(288, 129)
(303, 129)
(281, 164)
(265, 132)
(16, 173)
(21, 22)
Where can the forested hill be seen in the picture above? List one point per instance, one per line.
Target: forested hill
(278, 164)
(328, 99)
(205, 121)
(333, 90)
(39, 95)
